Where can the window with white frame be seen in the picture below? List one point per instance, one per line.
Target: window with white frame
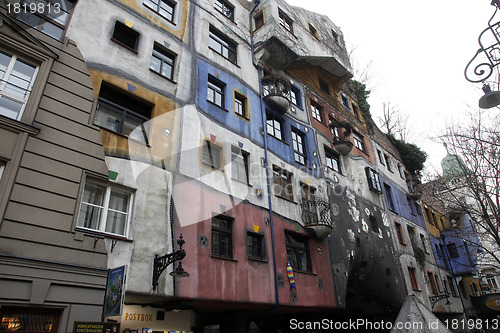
(332, 160)
(492, 283)
(274, 127)
(105, 208)
(295, 96)
(240, 105)
(239, 166)
(373, 180)
(218, 42)
(316, 111)
(215, 91)
(165, 8)
(358, 141)
(211, 154)
(162, 62)
(299, 147)
(334, 129)
(17, 78)
(225, 8)
(285, 21)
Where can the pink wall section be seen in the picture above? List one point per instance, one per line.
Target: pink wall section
(245, 280)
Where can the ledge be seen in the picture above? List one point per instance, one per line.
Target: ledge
(224, 57)
(224, 258)
(286, 143)
(262, 261)
(305, 272)
(163, 76)
(17, 126)
(279, 196)
(218, 106)
(95, 233)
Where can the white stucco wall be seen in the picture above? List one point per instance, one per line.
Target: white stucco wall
(150, 229)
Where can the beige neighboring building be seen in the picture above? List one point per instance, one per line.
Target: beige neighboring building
(50, 274)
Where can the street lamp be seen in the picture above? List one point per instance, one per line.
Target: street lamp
(160, 263)
(482, 71)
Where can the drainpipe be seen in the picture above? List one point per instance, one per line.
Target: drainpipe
(264, 120)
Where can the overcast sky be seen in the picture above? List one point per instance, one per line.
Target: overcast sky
(418, 51)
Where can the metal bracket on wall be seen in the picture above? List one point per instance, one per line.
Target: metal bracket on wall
(113, 243)
(96, 239)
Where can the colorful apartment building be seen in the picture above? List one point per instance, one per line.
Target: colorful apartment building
(227, 128)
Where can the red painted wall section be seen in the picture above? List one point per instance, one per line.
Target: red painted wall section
(232, 280)
(246, 280)
(323, 127)
(308, 291)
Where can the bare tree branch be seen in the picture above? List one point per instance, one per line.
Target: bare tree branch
(471, 183)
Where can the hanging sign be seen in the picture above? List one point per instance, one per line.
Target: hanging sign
(115, 288)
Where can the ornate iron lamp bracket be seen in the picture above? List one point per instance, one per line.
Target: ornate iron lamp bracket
(435, 299)
(161, 263)
(490, 49)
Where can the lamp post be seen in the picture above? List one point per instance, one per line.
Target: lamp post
(160, 263)
(490, 49)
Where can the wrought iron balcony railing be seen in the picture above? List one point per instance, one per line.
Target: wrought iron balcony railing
(276, 92)
(316, 216)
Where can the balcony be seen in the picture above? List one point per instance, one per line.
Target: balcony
(414, 188)
(344, 147)
(341, 132)
(279, 49)
(317, 217)
(276, 93)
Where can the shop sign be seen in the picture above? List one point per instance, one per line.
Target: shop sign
(493, 303)
(95, 327)
(113, 299)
